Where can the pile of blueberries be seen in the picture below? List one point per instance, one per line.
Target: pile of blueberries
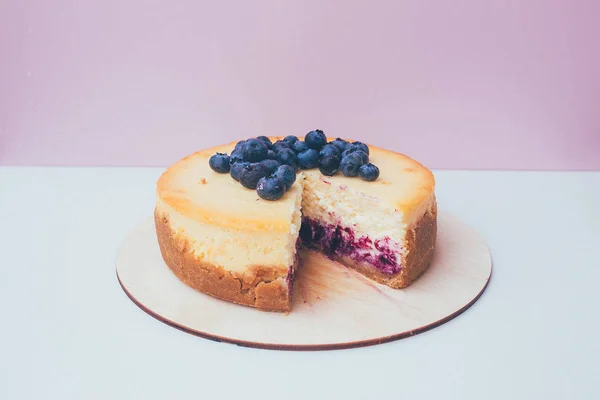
(271, 168)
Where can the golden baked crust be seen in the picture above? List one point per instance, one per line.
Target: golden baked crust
(419, 245)
(266, 290)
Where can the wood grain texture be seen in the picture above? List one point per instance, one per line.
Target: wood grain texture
(333, 306)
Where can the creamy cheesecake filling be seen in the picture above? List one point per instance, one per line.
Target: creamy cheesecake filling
(341, 221)
(237, 250)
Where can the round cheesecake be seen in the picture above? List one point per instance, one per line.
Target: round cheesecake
(224, 240)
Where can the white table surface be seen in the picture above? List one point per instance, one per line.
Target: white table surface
(69, 332)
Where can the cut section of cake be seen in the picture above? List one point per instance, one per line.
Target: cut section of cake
(384, 229)
(223, 239)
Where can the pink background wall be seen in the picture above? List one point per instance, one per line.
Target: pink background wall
(456, 84)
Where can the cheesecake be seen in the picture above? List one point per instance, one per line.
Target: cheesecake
(225, 240)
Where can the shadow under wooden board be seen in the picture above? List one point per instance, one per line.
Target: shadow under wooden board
(333, 306)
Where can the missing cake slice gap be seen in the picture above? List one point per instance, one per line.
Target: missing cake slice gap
(365, 233)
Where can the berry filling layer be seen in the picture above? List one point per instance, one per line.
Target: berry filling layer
(383, 254)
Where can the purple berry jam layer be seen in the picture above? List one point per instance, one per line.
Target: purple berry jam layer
(383, 254)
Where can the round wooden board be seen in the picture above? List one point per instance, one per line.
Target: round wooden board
(333, 307)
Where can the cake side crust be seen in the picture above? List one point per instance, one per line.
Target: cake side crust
(267, 290)
(420, 246)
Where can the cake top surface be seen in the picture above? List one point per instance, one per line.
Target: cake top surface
(193, 189)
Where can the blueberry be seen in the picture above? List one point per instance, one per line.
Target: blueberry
(286, 174)
(308, 159)
(351, 147)
(361, 146)
(355, 150)
(290, 140)
(300, 146)
(219, 162)
(240, 145)
(340, 144)
(270, 188)
(252, 173)
(350, 164)
(368, 172)
(280, 144)
(236, 156)
(271, 164)
(272, 155)
(287, 156)
(236, 169)
(329, 150)
(364, 156)
(254, 150)
(265, 140)
(329, 165)
(315, 139)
